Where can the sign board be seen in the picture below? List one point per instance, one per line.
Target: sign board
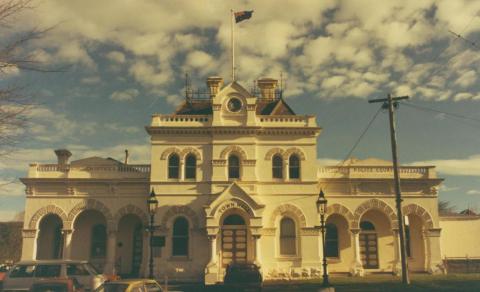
(158, 241)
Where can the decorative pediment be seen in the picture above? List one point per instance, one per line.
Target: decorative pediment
(234, 196)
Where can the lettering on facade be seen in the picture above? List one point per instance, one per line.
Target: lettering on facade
(235, 204)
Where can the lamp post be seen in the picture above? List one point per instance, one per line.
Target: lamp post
(152, 204)
(321, 209)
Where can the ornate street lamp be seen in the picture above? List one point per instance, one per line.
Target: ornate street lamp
(152, 204)
(322, 209)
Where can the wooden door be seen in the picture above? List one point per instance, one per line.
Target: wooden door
(369, 250)
(234, 245)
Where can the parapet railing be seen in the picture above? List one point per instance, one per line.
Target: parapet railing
(201, 120)
(143, 168)
(375, 171)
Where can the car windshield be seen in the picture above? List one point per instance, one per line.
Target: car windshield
(49, 287)
(112, 287)
(91, 269)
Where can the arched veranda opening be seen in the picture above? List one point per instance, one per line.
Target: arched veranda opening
(129, 248)
(89, 239)
(50, 238)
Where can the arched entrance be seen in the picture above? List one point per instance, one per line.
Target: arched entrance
(50, 238)
(415, 245)
(129, 246)
(234, 240)
(376, 240)
(89, 238)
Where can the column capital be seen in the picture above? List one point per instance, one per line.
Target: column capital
(355, 230)
(29, 233)
(67, 231)
(212, 236)
(433, 232)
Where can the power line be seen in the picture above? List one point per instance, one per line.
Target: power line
(342, 162)
(459, 116)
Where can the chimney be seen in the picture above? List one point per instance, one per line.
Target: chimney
(214, 84)
(267, 87)
(62, 157)
(126, 156)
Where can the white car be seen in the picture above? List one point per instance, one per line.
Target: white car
(24, 273)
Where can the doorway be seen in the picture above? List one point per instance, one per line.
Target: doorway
(234, 240)
(368, 245)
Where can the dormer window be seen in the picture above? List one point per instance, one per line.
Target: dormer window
(234, 105)
(233, 167)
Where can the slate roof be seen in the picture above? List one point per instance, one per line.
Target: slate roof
(264, 107)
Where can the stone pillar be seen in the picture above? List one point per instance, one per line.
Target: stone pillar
(111, 251)
(257, 258)
(67, 243)
(29, 244)
(434, 257)
(182, 169)
(397, 264)
(357, 267)
(212, 268)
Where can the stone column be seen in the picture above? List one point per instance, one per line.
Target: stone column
(257, 258)
(67, 243)
(434, 257)
(397, 265)
(357, 267)
(213, 249)
(111, 251)
(212, 268)
(29, 244)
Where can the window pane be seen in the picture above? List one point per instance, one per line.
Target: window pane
(180, 237)
(99, 241)
(22, 271)
(190, 167)
(173, 166)
(407, 240)
(77, 270)
(277, 167)
(233, 167)
(287, 237)
(331, 241)
(151, 287)
(294, 166)
(47, 271)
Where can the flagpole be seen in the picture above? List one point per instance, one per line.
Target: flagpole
(232, 45)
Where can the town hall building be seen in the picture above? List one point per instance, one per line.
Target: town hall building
(236, 176)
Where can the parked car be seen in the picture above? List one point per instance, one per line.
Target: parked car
(131, 285)
(57, 285)
(4, 268)
(243, 277)
(25, 273)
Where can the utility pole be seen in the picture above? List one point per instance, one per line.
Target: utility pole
(391, 102)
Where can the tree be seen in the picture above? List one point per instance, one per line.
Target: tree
(444, 208)
(16, 55)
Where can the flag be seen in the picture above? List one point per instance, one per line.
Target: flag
(242, 15)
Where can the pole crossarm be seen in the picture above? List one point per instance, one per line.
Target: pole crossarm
(386, 99)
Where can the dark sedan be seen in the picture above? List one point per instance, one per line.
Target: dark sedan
(243, 277)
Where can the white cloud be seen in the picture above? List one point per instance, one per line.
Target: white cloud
(124, 95)
(91, 80)
(467, 166)
(116, 56)
(10, 186)
(473, 192)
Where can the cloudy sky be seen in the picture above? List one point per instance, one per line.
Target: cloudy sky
(125, 60)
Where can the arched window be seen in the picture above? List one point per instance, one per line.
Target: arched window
(277, 166)
(99, 241)
(288, 237)
(190, 167)
(367, 226)
(173, 166)
(331, 241)
(294, 166)
(233, 167)
(180, 237)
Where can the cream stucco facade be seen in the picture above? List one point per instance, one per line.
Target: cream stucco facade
(236, 177)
